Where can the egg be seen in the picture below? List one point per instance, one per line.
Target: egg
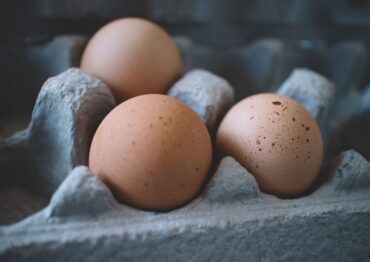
(276, 139)
(133, 56)
(152, 151)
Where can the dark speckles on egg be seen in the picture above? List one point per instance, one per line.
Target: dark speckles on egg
(147, 160)
(276, 153)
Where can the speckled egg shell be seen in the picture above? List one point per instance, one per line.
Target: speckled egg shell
(276, 139)
(153, 151)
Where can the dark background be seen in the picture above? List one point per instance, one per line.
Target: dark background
(253, 44)
(220, 22)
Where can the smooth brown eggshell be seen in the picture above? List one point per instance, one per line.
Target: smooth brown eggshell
(276, 139)
(153, 151)
(133, 56)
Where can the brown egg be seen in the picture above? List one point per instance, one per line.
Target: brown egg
(153, 151)
(276, 139)
(133, 56)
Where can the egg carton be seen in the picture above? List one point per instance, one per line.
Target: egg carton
(53, 208)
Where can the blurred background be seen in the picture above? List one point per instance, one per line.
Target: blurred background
(253, 44)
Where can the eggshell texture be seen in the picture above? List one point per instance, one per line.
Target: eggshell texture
(153, 151)
(276, 139)
(133, 57)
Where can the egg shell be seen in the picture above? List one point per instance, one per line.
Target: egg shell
(153, 151)
(133, 56)
(276, 139)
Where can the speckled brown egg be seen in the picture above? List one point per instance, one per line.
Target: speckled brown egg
(133, 56)
(276, 139)
(152, 151)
